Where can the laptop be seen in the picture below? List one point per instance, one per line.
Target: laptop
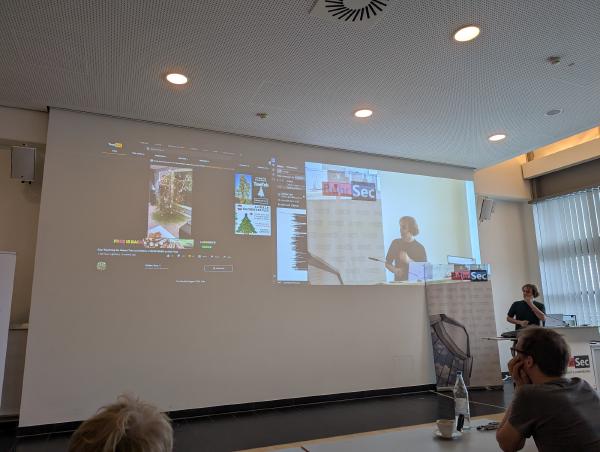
(419, 271)
(554, 320)
(559, 320)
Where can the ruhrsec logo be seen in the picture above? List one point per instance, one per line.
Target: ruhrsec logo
(364, 191)
(479, 275)
(580, 362)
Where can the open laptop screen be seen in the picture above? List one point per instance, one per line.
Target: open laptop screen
(556, 320)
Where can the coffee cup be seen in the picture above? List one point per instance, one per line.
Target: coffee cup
(445, 427)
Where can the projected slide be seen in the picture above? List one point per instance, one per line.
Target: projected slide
(209, 216)
(169, 209)
(252, 210)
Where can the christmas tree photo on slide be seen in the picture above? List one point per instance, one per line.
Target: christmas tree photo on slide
(252, 219)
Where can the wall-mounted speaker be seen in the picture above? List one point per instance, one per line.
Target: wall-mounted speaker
(22, 163)
(486, 208)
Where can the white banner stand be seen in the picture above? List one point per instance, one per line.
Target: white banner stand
(7, 275)
(461, 314)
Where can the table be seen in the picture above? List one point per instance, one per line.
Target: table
(418, 439)
(579, 338)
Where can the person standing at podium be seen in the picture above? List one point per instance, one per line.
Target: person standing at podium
(527, 311)
(405, 250)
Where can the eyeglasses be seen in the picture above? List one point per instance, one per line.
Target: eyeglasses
(514, 351)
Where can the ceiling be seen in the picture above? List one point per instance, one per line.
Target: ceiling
(434, 99)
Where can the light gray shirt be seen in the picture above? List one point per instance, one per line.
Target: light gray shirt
(562, 415)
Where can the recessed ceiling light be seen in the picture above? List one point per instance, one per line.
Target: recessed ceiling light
(364, 113)
(466, 33)
(177, 79)
(497, 137)
(554, 112)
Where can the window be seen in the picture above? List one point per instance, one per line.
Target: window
(568, 239)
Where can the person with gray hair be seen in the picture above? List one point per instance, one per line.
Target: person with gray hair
(129, 425)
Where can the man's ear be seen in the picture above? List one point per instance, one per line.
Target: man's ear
(529, 362)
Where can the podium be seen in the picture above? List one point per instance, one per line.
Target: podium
(580, 339)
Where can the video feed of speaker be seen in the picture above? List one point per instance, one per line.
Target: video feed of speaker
(220, 216)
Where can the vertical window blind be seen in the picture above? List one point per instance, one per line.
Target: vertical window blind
(568, 239)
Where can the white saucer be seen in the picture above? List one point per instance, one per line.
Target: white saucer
(454, 435)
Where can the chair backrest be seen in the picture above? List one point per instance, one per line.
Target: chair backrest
(451, 350)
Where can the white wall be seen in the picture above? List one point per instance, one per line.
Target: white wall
(13, 374)
(508, 240)
(23, 126)
(566, 158)
(566, 143)
(508, 243)
(20, 203)
(503, 181)
(19, 209)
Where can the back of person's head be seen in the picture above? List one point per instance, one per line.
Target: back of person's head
(547, 348)
(129, 425)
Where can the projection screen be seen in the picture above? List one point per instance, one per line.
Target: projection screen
(198, 268)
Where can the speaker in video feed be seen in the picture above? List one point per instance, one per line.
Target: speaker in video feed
(367, 226)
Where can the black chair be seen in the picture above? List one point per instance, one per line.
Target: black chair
(451, 350)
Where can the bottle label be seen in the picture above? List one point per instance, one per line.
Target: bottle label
(461, 406)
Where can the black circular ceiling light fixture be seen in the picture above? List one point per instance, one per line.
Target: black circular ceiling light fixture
(355, 10)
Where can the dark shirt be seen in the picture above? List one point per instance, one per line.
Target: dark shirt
(521, 311)
(414, 250)
(562, 415)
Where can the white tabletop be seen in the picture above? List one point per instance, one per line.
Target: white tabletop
(418, 439)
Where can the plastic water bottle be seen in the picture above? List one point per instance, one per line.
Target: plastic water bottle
(461, 402)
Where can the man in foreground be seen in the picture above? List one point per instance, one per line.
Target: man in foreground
(562, 414)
